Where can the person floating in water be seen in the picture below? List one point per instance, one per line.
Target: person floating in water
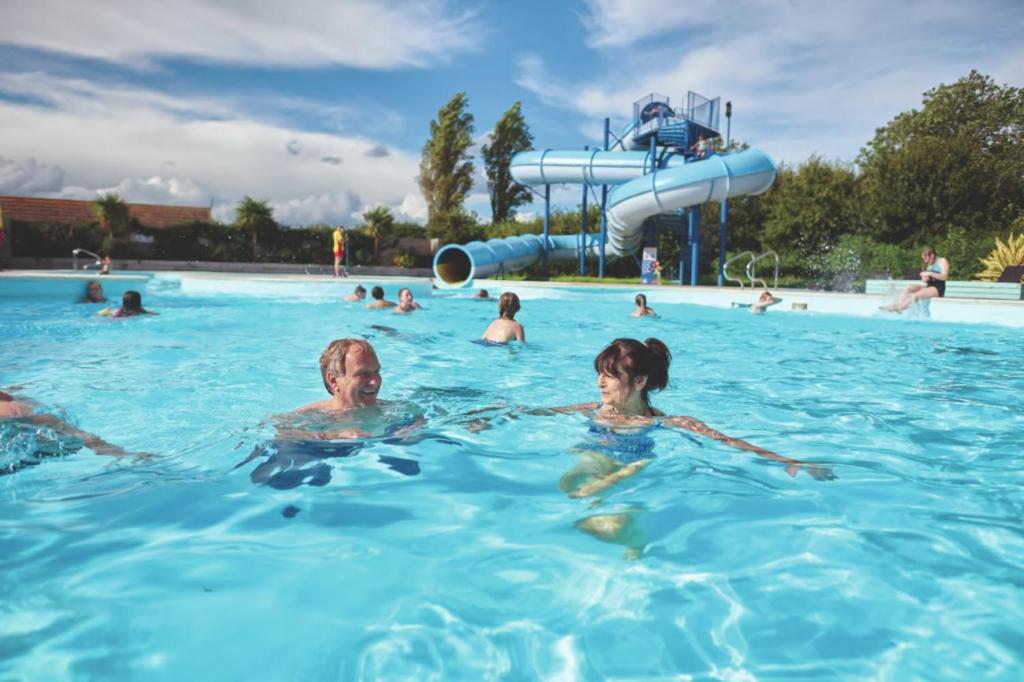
(131, 305)
(406, 304)
(627, 372)
(482, 294)
(93, 293)
(358, 294)
(933, 282)
(41, 435)
(337, 426)
(641, 309)
(505, 328)
(764, 301)
(378, 299)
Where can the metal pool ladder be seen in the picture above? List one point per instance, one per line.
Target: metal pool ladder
(750, 268)
(74, 259)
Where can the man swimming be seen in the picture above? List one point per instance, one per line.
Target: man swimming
(358, 294)
(378, 299)
(405, 302)
(336, 427)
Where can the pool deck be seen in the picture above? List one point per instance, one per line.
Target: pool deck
(23, 283)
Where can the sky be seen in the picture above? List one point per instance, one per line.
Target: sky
(322, 108)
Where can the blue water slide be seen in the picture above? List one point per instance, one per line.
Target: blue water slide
(645, 186)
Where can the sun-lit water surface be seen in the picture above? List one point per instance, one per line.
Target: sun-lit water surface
(467, 564)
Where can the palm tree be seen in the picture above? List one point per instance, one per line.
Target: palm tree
(112, 213)
(255, 217)
(379, 222)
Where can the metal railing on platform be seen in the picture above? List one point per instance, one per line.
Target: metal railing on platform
(750, 269)
(74, 259)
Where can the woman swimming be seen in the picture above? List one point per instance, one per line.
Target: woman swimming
(505, 328)
(641, 309)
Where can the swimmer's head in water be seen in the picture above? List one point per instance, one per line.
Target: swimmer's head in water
(131, 302)
(641, 301)
(360, 291)
(351, 371)
(766, 296)
(640, 366)
(405, 295)
(94, 291)
(482, 294)
(508, 305)
(377, 293)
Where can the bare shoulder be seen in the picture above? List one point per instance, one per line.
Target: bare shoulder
(581, 407)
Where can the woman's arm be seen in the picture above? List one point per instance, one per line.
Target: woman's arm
(792, 465)
(93, 442)
(520, 333)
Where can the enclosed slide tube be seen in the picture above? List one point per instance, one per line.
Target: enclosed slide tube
(645, 187)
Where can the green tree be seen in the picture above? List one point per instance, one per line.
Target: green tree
(379, 223)
(112, 213)
(812, 208)
(953, 169)
(256, 218)
(446, 171)
(511, 135)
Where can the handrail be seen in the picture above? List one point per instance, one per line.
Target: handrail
(725, 268)
(750, 269)
(74, 259)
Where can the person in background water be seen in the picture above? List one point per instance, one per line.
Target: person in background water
(358, 294)
(378, 299)
(93, 293)
(933, 282)
(505, 328)
(627, 372)
(641, 309)
(764, 301)
(338, 249)
(405, 302)
(105, 265)
(131, 305)
(482, 294)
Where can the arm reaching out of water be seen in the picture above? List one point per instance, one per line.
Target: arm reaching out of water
(819, 473)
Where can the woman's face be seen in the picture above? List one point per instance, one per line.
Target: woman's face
(928, 258)
(619, 391)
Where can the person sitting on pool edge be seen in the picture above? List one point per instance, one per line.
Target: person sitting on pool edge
(933, 282)
(131, 305)
(641, 309)
(358, 294)
(405, 302)
(764, 301)
(505, 328)
(378, 299)
(93, 293)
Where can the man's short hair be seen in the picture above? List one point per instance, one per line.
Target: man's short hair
(377, 293)
(332, 360)
(360, 289)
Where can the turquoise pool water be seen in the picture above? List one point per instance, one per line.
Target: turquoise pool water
(458, 556)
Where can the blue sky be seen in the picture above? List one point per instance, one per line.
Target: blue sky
(322, 108)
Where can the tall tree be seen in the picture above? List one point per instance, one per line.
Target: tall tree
(257, 218)
(446, 171)
(511, 135)
(955, 165)
(379, 223)
(112, 213)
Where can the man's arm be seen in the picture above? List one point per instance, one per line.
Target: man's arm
(93, 442)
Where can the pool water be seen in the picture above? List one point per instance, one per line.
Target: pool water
(456, 554)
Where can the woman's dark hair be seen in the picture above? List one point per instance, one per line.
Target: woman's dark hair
(641, 301)
(360, 289)
(508, 305)
(631, 358)
(93, 292)
(377, 293)
(131, 302)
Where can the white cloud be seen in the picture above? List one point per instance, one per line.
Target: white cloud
(29, 177)
(379, 34)
(125, 139)
(805, 77)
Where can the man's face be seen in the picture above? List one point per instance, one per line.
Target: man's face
(361, 382)
(405, 297)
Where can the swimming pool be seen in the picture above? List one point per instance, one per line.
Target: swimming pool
(469, 565)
